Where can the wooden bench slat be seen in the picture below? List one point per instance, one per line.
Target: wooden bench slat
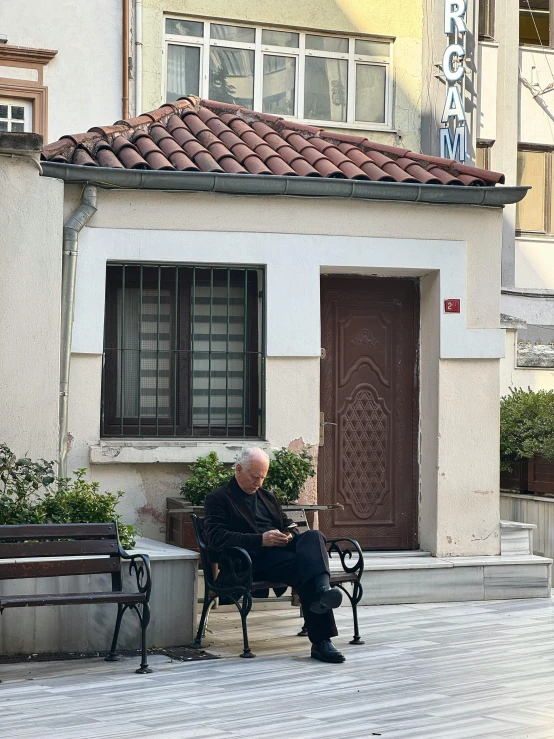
(11, 550)
(55, 568)
(337, 577)
(58, 531)
(60, 599)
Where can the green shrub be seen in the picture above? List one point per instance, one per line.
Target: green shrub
(80, 501)
(207, 474)
(287, 475)
(526, 426)
(31, 493)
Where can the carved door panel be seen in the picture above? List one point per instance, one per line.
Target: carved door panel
(370, 331)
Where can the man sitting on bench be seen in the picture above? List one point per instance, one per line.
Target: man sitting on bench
(243, 514)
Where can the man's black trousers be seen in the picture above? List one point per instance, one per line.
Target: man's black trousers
(296, 565)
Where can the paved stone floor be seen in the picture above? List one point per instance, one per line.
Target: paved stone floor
(436, 671)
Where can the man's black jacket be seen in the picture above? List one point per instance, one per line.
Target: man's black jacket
(229, 522)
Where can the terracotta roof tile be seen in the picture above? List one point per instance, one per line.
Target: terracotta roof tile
(194, 135)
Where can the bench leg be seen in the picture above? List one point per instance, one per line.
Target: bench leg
(197, 643)
(355, 598)
(244, 610)
(112, 656)
(144, 618)
(304, 630)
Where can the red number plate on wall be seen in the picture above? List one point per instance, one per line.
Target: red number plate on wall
(452, 305)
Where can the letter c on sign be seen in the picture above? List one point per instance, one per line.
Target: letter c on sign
(449, 72)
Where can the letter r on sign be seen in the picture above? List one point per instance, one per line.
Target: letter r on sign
(454, 10)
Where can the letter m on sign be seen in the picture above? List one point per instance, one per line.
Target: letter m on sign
(453, 146)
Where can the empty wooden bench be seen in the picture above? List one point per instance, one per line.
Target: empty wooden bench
(240, 584)
(78, 549)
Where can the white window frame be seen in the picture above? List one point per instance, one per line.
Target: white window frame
(205, 42)
(27, 106)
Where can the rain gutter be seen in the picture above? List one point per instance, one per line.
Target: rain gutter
(76, 222)
(237, 184)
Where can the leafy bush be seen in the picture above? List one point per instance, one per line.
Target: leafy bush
(207, 474)
(31, 493)
(287, 475)
(526, 426)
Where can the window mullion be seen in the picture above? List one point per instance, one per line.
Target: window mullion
(205, 71)
(258, 71)
(301, 74)
(351, 82)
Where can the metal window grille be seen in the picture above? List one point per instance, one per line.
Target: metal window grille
(183, 351)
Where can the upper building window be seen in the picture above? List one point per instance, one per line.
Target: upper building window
(16, 115)
(534, 22)
(535, 212)
(321, 78)
(486, 19)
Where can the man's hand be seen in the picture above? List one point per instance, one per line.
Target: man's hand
(275, 538)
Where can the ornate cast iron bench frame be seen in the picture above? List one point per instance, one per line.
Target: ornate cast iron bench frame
(86, 548)
(239, 585)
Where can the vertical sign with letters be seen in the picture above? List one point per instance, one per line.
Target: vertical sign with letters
(453, 135)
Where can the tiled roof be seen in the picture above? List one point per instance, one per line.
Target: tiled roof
(205, 136)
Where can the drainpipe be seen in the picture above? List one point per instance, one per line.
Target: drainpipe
(71, 230)
(138, 57)
(125, 60)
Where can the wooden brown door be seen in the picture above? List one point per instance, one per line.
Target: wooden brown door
(368, 462)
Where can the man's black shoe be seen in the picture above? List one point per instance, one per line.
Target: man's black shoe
(326, 598)
(327, 652)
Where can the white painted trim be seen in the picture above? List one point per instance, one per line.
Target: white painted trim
(293, 265)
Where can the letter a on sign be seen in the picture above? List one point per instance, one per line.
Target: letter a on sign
(453, 107)
(454, 11)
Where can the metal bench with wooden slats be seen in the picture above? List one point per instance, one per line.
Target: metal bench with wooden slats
(35, 550)
(240, 585)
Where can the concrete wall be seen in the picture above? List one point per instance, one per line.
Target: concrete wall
(397, 18)
(30, 281)
(320, 236)
(89, 628)
(513, 376)
(536, 112)
(84, 78)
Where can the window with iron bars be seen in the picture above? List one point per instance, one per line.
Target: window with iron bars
(183, 351)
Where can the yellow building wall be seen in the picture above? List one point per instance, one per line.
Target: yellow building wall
(400, 19)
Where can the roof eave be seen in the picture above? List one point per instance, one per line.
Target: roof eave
(240, 184)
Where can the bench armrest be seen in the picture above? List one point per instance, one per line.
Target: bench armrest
(235, 570)
(346, 554)
(139, 565)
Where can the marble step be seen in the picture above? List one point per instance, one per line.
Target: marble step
(516, 538)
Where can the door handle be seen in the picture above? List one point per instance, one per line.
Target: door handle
(322, 424)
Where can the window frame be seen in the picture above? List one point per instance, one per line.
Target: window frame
(486, 33)
(181, 383)
(299, 53)
(548, 192)
(550, 30)
(35, 92)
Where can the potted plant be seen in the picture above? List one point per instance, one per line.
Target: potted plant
(527, 441)
(288, 473)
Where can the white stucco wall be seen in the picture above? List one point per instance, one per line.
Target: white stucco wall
(300, 240)
(84, 78)
(535, 263)
(487, 85)
(30, 280)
